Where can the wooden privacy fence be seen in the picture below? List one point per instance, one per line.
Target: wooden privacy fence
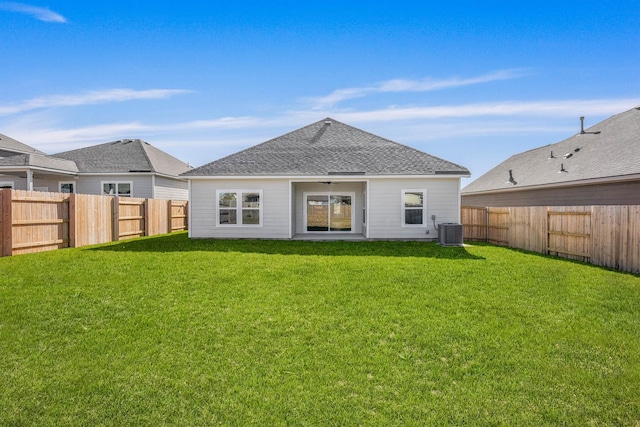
(34, 221)
(608, 236)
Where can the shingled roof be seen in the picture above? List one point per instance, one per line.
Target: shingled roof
(125, 156)
(38, 161)
(328, 147)
(607, 150)
(10, 144)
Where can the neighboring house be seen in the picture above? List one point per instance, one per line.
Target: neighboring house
(322, 180)
(25, 168)
(129, 168)
(598, 166)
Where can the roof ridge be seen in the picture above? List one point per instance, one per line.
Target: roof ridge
(141, 144)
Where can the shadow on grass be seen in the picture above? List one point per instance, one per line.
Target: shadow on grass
(181, 243)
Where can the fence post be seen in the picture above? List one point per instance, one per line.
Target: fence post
(116, 219)
(6, 245)
(147, 217)
(72, 220)
(170, 216)
(486, 230)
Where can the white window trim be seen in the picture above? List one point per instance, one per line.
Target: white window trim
(61, 183)
(351, 194)
(239, 208)
(424, 207)
(102, 183)
(11, 184)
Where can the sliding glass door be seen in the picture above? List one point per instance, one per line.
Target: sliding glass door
(328, 212)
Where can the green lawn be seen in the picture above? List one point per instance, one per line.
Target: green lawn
(175, 332)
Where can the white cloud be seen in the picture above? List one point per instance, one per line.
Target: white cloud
(402, 85)
(40, 13)
(567, 108)
(87, 98)
(424, 123)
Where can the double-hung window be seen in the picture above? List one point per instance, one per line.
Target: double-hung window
(240, 207)
(414, 206)
(122, 189)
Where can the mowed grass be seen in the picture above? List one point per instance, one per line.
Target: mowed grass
(167, 331)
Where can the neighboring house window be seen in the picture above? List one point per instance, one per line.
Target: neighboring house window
(122, 189)
(414, 207)
(6, 184)
(66, 187)
(240, 207)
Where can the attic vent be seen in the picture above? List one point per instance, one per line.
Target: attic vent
(562, 169)
(566, 156)
(327, 122)
(577, 149)
(552, 156)
(345, 173)
(511, 179)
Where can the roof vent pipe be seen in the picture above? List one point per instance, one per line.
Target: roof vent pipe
(582, 125)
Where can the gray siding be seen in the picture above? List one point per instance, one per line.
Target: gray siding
(622, 193)
(275, 205)
(18, 183)
(385, 207)
(92, 184)
(173, 189)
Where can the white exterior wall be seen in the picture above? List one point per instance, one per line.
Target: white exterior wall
(18, 183)
(171, 189)
(275, 206)
(92, 184)
(385, 207)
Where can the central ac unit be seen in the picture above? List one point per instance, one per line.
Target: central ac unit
(450, 234)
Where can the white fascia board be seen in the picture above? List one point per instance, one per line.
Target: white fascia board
(178, 178)
(344, 178)
(36, 168)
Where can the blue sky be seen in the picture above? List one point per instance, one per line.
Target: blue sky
(472, 82)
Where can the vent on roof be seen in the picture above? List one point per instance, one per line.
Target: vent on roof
(582, 131)
(552, 156)
(327, 122)
(511, 179)
(566, 156)
(562, 169)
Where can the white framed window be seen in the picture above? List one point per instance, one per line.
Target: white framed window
(66, 187)
(414, 208)
(117, 188)
(6, 184)
(239, 208)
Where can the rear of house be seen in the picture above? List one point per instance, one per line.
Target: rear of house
(325, 180)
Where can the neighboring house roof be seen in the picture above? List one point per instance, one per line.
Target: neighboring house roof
(38, 161)
(10, 144)
(609, 150)
(125, 156)
(328, 147)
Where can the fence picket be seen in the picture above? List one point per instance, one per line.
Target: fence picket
(607, 236)
(37, 221)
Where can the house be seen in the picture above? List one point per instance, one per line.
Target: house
(325, 180)
(24, 168)
(128, 168)
(597, 166)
